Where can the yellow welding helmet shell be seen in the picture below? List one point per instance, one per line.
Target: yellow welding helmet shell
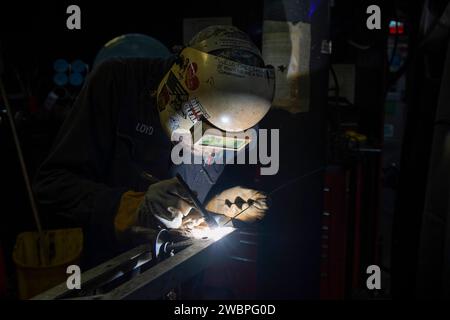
(201, 86)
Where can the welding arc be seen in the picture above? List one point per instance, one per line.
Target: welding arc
(280, 187)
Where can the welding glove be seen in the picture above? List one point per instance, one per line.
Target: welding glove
(163, 205)
(243, 204)
(167, 202)
(194, 220)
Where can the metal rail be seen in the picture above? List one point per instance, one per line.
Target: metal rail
(135, 275)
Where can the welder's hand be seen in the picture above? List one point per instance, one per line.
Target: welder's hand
(244, 204)
(167, 202)
(193, 221)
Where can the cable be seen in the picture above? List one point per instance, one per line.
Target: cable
(337, 118)
(359, 46)
(336, 82)
(295, 179)
(21, 159)
(43, 250)
(282, 186)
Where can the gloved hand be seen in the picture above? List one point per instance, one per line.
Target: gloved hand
(194, 220)
(235, 200)
(167, 202)
(141, 214)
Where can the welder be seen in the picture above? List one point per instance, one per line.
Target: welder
(110, 168)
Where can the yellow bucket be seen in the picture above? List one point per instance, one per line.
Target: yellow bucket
(63, 248)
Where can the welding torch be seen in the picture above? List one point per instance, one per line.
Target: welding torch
(212, 223)
(206, 215)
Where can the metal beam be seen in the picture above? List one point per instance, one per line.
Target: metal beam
(152, 283)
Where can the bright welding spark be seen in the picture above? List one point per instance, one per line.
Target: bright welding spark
(214, 234)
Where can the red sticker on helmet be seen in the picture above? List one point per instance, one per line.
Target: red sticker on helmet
(163, 99)
(191, 79)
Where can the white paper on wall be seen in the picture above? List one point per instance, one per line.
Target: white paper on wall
(286, 46)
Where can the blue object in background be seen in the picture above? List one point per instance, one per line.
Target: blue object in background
(78, 66)
(60, 65)
(76, 79)
(60, 79)
(132, 45)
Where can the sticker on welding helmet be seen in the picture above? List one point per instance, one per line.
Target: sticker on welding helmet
(194, 110)
(232, 68)
(174, 122)
(232, 100)
(177, 92)
(191, 79)
(182, 64)
(223, 37)
(163, 99)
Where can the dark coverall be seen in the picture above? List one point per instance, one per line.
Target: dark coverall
(111, 138)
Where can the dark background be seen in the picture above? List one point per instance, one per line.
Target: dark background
(34, 35)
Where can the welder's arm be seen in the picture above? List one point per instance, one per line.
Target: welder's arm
(164, 205)
(71, 180)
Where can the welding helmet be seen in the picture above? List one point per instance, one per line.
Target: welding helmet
(219, 81)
